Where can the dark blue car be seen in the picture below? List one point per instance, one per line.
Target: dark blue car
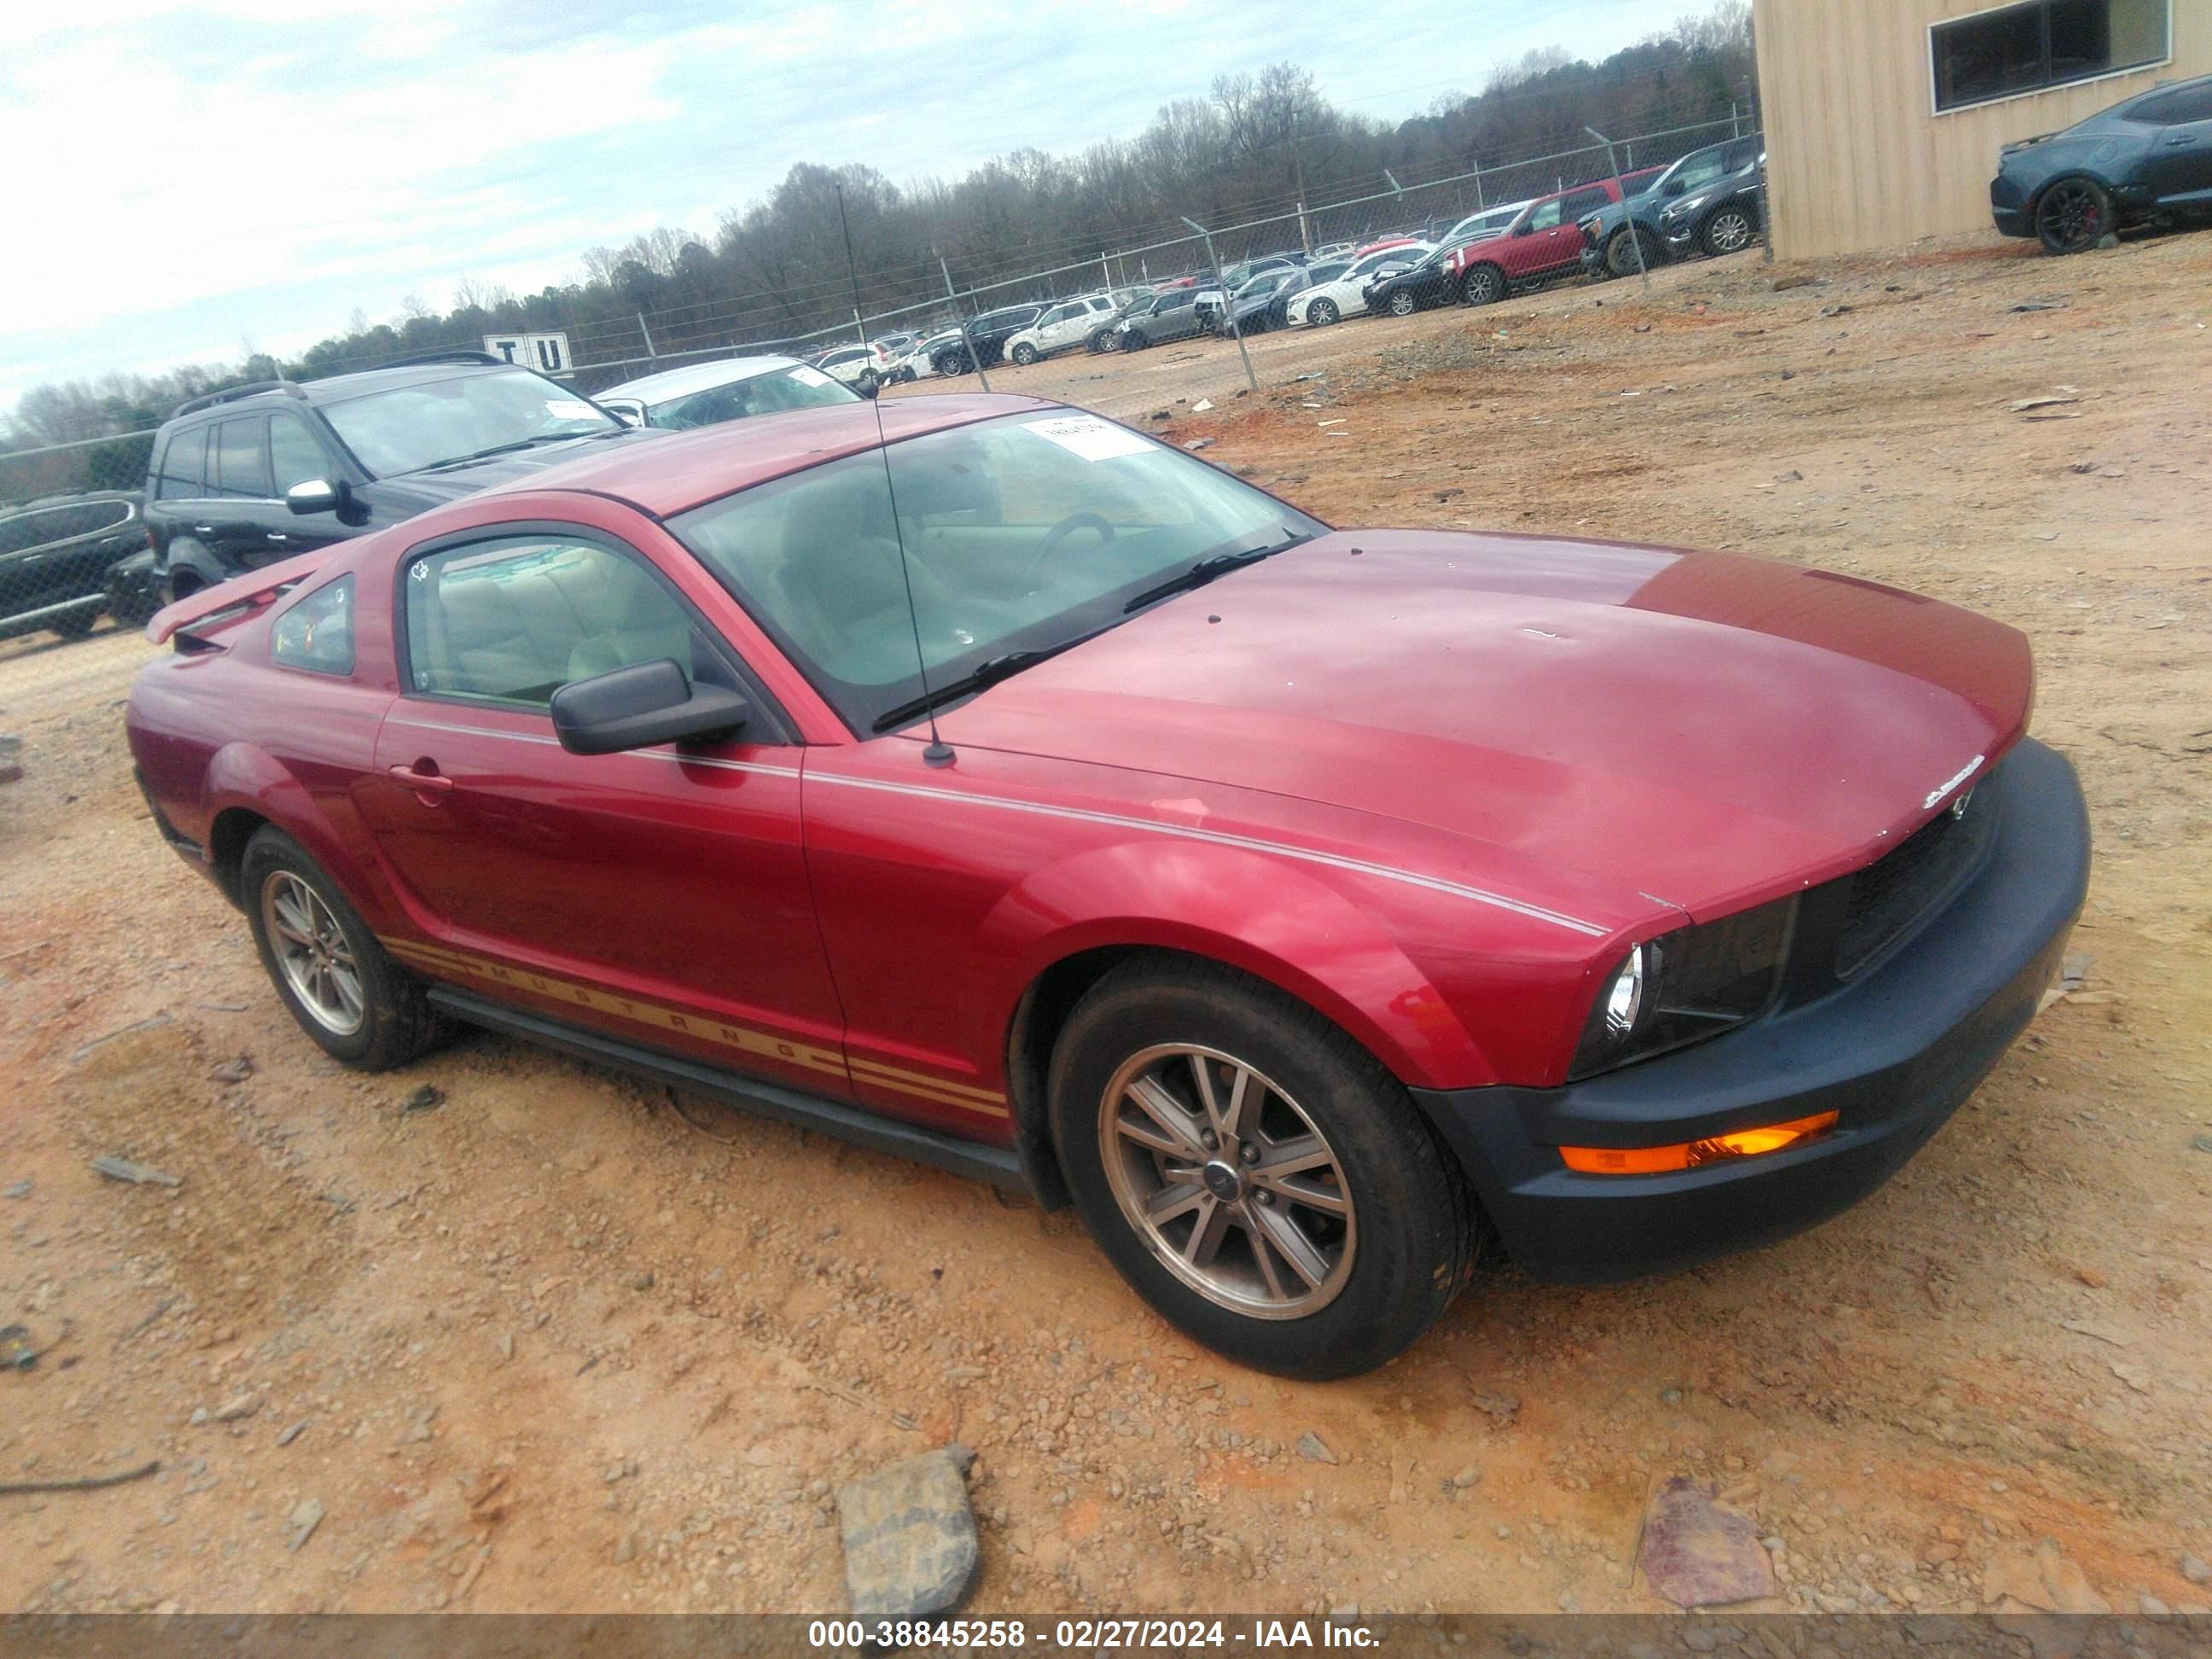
(2148, 160)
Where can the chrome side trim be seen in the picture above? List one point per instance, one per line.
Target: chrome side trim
(554, 743)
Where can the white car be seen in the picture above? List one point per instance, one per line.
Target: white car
(1325, 302)
(705, 394)
(1063, 327)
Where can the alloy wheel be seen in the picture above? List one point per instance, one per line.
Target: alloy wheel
(2071, 215)
(312, 950)
(1402, 304)
(1483, 287)
(1730, 232)
(1228, 1181)
(1321, 311)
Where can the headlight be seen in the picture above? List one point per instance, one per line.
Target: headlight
(1685, 986)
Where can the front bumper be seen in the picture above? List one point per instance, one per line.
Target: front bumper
(1894, 1052)
(2008, 206)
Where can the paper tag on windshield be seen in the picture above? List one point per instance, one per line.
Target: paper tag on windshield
(1089, 437)
(807, 375)
(568, 408)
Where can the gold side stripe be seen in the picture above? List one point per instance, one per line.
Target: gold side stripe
(941, 1091)
(876, 1069)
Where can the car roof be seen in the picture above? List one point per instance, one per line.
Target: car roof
(699, 377)
(684, 469)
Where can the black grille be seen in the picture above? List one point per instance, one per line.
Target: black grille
(1891, 896)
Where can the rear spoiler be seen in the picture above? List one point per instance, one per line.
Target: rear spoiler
(250, 592)
(2019, 144)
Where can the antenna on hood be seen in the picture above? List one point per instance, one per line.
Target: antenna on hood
(940, 752)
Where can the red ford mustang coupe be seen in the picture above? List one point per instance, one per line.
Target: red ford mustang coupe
(1012, 791)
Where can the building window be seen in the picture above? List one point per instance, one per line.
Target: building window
(2046, 43)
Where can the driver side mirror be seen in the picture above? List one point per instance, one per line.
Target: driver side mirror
(628, 410)
(318, 495)
(638, 707)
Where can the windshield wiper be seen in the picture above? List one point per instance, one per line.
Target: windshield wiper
(509, 449)
(988, 673)
(1218, 564)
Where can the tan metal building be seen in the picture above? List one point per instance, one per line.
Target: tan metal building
(1884, 117)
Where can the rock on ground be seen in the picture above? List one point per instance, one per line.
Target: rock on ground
(910, 1547)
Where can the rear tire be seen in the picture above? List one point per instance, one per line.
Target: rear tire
(1328, 1156)
(338, 982)
(2074, 215)
(74, 627)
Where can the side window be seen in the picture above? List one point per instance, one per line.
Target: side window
(183, 464)
(15, 532)
(512, 622)
(2174, 109)
(1583, 202)
(317, 633)
(1057, 314)
(241, 455)
(294, 453)
(1545, 217)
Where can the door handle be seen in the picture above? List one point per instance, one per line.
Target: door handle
(278, 537)
(429, 787)
(203, 530)
(2185, 138)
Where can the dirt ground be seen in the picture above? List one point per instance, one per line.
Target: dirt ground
(553, 1346)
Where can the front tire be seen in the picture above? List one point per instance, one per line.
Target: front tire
(1484, 285)
(1620, 252)
(1729, 231)
(2073, 215)
(1402, 303)
(1025, 354)
(1321, 312)
(76, 626)
(339, 983)
(1318, 1235)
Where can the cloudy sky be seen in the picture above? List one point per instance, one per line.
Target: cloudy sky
(181, 179)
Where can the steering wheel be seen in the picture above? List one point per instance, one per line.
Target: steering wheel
(1059, 533)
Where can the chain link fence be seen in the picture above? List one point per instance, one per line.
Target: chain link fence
(73, 550)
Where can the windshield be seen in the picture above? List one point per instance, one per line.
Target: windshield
(1698, 168)
(800, 387)
(410, 428)
(1022, 533)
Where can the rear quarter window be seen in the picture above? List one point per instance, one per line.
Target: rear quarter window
(317, 633)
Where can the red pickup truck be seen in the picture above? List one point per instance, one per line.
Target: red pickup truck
(1545, 241)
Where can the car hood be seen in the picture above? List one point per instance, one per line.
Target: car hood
(1702, 731)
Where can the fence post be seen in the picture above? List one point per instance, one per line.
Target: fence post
(1627, 213)
(1479, 205)
(966, 344)
(1105, 270)
(1228, 311)
(1305, 231)
(652, 356)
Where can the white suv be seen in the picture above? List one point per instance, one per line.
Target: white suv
(863, 367)
(1062, 328)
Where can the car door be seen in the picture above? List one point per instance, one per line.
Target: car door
(229, 521)
(1537, 242)
(1564, 247)
(1053, 329)
(2178, 168)
(661, 894)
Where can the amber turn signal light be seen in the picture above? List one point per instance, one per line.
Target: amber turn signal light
(1689, 1154)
